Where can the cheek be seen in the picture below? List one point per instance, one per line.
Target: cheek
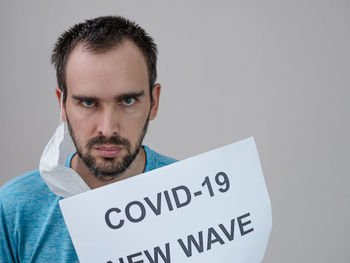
(132, 125)
(80, 124)
(80, 131)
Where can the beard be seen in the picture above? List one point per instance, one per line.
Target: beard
(110, 168)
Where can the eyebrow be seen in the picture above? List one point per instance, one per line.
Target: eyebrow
(130, 95)
(118, 98)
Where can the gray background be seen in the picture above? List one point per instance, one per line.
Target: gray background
(275, 70)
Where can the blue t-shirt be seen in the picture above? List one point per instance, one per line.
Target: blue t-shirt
(32, 228)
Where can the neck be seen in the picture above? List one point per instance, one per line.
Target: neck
(136, 167)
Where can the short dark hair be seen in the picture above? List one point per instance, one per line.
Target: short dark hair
(100, 35)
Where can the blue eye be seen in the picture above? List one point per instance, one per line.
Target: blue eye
(128, 101)
(88, 103)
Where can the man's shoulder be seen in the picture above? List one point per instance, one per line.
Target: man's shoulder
(21, 183)
(23, 189)
(156, 160)
(31, 222)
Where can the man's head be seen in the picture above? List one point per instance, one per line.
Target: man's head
(106, 70)
(100, 35)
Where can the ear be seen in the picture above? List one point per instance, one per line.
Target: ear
(59, 94)
(155, 101)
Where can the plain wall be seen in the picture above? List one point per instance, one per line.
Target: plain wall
(275, 70)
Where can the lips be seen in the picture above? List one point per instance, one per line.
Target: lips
(108, 151)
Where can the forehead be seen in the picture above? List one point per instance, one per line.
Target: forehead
(121, 69)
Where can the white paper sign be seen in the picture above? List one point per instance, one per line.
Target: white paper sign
(211, 208)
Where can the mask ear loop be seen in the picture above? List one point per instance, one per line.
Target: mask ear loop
(61, 107)
(66, 130)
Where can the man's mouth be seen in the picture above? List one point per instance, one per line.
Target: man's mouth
(108, 151)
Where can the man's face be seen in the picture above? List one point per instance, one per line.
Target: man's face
(108, 106)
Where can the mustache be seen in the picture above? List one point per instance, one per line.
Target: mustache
(114, 140)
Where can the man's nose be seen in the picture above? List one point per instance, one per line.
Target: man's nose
(108, 124)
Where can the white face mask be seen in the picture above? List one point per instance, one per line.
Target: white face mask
(62, 181)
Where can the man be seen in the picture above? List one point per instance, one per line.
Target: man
(106, 73)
